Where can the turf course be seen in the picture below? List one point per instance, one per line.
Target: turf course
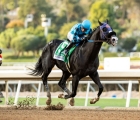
(81, 102)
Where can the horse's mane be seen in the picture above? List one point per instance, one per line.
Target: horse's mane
(93, 30)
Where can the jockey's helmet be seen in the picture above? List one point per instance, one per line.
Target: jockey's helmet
(86, 24)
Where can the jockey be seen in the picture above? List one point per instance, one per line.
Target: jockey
(0, 57)
(78, 33)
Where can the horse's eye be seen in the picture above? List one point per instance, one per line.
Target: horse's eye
(104, 29)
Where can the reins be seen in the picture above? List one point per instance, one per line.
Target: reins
(107, 39)
(92, 41)
(96, 41)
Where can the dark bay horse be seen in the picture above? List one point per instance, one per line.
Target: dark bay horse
(83, 62)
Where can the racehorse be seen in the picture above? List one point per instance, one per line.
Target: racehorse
(83, 62)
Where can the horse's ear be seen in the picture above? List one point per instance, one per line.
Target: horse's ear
(100, 22)
(107, 21)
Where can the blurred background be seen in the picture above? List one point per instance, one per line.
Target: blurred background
(27, 25)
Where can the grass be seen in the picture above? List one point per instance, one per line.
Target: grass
(8, 56)
(19, 59)
(81, 102)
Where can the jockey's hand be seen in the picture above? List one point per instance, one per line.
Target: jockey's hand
(84, 38)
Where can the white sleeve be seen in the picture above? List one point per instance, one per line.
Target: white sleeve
(70, 36)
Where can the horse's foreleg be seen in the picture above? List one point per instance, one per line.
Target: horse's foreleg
(62, 84)
(71, 102)
(75, 82)
(96, 79)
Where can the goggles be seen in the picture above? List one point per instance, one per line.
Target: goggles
(84, 28)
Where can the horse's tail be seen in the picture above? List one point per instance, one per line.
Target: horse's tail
(38, 69)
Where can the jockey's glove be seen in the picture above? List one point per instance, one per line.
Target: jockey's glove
(84, 38)
(77, 39)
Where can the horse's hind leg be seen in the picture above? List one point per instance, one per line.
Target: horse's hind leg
(47, 71)
(96, 79)
(44, 79)
(62, 84)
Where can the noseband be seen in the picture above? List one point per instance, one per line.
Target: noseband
(102, 35)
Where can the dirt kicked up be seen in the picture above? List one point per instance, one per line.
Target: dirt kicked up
(70, 113)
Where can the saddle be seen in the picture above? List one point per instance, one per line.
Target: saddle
(59, 52)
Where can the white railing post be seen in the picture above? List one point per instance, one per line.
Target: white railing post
(86, 100)
(17, 93)
(6, 92)
(139, 94)
(129, 93)
(38, 93)
(69, 87)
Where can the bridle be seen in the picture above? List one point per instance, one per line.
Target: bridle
(104, 37)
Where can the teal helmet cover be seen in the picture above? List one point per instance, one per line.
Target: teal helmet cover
(86, 24)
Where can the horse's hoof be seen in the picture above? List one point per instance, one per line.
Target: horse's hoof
(48, 102)
(61, 96)
(67, 96)
(71, 102)
(93, 101)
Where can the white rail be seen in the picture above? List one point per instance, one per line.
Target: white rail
(110, 77)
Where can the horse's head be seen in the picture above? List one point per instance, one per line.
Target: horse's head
(107, 34)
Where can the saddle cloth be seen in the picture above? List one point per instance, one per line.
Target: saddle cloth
(59, 53)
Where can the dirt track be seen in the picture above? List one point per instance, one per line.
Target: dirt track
(70, 114)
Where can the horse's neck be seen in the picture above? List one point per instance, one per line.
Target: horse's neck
(92, 49)
(95, 51)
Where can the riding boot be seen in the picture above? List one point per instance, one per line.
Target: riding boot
(67, 48)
